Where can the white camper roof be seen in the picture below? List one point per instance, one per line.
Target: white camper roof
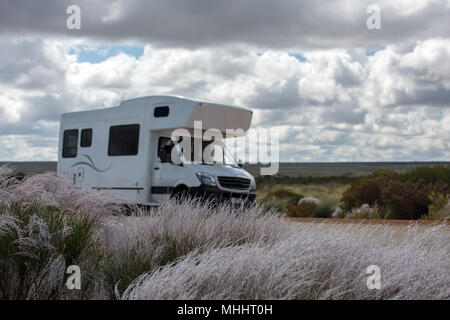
(182, 113)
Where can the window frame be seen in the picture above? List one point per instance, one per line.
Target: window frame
(137, 139)
(64, 147)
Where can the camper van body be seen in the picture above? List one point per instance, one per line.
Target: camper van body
(117, 149)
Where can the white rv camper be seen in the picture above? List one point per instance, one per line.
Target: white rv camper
(127, 149)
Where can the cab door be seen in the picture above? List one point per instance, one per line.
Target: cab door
(165, 173)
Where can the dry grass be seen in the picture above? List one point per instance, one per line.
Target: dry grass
(313, 261)
(196, 251)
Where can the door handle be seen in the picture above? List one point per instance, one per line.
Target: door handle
(157, 168)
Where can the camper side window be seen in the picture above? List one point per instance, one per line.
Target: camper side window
(86, 138)
(70, 144)
(123, 140)
(161, 112)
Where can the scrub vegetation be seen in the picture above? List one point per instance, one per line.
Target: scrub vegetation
(400, 195)
(197, 251)
(420, 193)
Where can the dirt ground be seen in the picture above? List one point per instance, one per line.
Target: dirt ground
(369, 221)
(398, 228)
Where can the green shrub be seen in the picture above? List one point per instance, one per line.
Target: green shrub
(439, 208)
(325, 209)
(427, 175)
(282, 200)
(285, 195)
(272, 204)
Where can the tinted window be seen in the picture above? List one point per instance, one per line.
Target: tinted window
(165, 146)
(70, 144)
(165, 150)
(86, 138)
(161, 112)
(123, 140)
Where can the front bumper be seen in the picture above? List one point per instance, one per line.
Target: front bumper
(217, 194)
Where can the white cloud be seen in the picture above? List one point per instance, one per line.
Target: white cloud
(27, 148)
(429, 59)
(338, 105)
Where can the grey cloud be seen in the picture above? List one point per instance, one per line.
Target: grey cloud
(46, 107)
(329, 141)
(437, 95)
(25, 65)
(344, 113)
(286, 98)
(27, 128)
(346, 77)
(266, 23)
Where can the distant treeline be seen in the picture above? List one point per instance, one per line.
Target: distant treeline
(291, 172)
(338, 169)
(27, 168)
(288, 180)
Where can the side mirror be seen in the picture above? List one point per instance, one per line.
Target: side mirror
(178, 161)
(240, 164)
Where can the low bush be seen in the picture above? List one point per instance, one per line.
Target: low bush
(405, 196)
(272, 204)
(325, 209)
(302, 210)
(285, 195)
(312, 207)
(282, 200)
(338, 213)
(427, 175)
(366, 212)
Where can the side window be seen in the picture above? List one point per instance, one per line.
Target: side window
(70, 144)
(165, 146)
(86, 138)
(123, 140)
(161, 112)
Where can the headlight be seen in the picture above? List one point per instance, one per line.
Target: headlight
(253, 185)
(206, 179)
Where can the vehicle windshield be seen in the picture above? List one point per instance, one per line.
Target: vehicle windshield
(212, 152)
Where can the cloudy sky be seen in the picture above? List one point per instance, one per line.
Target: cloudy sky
(335, 89)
